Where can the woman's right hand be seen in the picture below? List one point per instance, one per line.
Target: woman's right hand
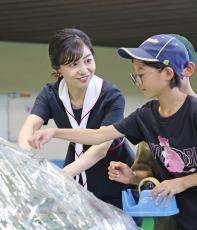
(41, 137)
(121, 172)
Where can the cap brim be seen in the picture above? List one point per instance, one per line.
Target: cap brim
(136, 53)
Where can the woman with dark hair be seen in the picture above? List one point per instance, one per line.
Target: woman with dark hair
(80, 99)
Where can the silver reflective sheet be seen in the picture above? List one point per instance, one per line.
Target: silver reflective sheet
(35, 194)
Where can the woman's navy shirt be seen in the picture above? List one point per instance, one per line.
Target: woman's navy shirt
(108, 109)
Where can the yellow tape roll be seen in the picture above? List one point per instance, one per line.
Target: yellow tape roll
(151, 179)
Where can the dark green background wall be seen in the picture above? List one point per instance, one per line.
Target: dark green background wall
(26, 67)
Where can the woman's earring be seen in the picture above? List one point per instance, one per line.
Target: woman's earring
(57, 73)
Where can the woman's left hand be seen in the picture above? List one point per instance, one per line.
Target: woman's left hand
(168, 188)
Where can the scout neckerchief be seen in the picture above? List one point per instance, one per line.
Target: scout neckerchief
(92, 94)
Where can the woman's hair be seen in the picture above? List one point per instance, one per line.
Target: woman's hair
(66, 46)
(175, 81)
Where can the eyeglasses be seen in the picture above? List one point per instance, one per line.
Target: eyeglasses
(136, 78)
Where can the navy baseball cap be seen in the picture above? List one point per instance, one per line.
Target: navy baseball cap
(162, 48)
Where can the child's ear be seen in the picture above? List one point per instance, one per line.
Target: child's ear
(189, 70)
(169, 73)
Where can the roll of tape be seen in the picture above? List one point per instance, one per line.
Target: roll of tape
(147, 179)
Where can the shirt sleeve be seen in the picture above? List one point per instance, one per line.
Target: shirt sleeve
(130, 127)
(41, 106)
(114, 110)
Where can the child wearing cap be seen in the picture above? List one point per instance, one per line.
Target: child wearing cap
(144, 164)
(168, 124)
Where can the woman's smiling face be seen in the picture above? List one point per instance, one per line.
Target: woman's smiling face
(78, 73)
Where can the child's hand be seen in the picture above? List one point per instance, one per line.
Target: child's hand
(120, 172)
(41, 137)
(169, 188)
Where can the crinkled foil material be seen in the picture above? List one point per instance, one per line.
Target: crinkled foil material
(37, 195)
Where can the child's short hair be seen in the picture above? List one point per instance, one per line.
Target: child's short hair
(174, 82)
